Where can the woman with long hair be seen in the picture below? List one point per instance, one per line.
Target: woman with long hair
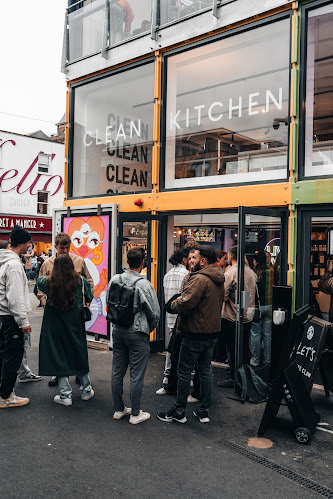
(63, 345)
(261, 328)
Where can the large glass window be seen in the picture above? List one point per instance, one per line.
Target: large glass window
(113, 133)
(227, 110)
(319, 93)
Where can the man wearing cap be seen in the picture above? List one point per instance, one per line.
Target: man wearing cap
(14, 308)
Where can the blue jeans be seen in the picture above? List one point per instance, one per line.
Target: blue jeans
(66, 389)
(129, 349)
(262, 330)
(192, 352)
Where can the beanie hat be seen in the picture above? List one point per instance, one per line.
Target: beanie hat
(19, 236)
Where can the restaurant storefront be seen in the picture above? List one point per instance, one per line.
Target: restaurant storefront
(40, 229)
(207, 141)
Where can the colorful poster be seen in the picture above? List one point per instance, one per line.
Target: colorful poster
(90, 241)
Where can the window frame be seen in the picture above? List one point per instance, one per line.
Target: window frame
(239, 30)
(44, 165)
(47, 203)
(305, 9)
(73, 87)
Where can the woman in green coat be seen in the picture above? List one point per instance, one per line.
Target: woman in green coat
(63, 345)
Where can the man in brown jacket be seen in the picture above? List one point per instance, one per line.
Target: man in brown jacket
(62, 245)
(199, 307)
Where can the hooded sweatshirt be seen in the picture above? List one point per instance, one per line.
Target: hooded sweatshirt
(199, 305)
(14, 292)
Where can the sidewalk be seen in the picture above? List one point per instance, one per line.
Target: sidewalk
(80, 451)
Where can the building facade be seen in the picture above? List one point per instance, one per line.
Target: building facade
(207, 120)
(31, 185)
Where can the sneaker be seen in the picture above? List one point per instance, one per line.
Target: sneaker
(192, 400)
(140, 418)
(253, 363)
(202, 416)
(30, 377)
(228, 383)
(54, 381)
(161, 391)
(89, 395)
(13, 401)
(65, 401)
(121, 414)
(172, 416)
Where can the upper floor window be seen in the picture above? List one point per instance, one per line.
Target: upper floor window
(44, 163)
(227, 110)
(112, 133)
(42, 202)
(319, 93)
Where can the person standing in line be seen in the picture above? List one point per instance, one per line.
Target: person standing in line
(199, 307)
(62, 245)
(63, 347)
(131, 344)
(14, 322)
(28, 263)
(171, 283)
(261, 329)
(229, 313)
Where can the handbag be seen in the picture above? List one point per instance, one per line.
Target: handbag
(85, 310)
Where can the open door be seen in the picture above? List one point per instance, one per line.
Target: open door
(148, 232)
(262, 249)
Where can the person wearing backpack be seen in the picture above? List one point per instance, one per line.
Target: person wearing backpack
(134, 310)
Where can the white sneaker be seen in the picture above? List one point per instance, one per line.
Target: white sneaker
(161, 391)
(89, 395)
(13, 401)
(253, 363)
(121, 414)
(192, 400)
(66, 401)
(140, 418)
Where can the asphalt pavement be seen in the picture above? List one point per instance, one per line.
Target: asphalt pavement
(52, 451)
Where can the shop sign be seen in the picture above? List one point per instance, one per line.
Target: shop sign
(31, 224)
(26, 181)
(214, 110)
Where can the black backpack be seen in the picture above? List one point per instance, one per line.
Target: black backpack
(250, 386)
(120, 305)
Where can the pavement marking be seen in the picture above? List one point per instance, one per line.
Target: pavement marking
(325, 429)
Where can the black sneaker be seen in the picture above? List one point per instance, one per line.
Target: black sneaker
(172, 416)
(228, 383)
(53, 381)
(202, 416)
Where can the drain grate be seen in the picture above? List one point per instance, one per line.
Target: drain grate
(288, 473)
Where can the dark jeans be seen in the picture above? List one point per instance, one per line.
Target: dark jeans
(174, 349)
(229, 329)
(192, 352)
(129, 349)
(11, 353)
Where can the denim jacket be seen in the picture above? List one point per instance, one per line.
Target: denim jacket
(146, 306)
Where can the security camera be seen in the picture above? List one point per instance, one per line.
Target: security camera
(277, 121)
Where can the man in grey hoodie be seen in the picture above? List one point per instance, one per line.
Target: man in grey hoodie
(14, 308)
(131, 344)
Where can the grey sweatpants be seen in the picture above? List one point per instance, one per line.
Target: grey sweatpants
(129, 349)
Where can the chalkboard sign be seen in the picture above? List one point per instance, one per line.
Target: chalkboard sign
(307, 351)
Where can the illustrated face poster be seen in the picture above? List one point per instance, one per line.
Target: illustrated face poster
(90, 240)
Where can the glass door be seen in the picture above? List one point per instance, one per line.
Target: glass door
(262, 263)
(148, 232)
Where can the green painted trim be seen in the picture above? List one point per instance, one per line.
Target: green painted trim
(292, 256)
(312, 192)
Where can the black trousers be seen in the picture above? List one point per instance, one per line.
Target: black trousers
(11, 353)
(229, 329)
(174, 349)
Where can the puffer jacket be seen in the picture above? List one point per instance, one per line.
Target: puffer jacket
(199, 305)
(146, 306)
